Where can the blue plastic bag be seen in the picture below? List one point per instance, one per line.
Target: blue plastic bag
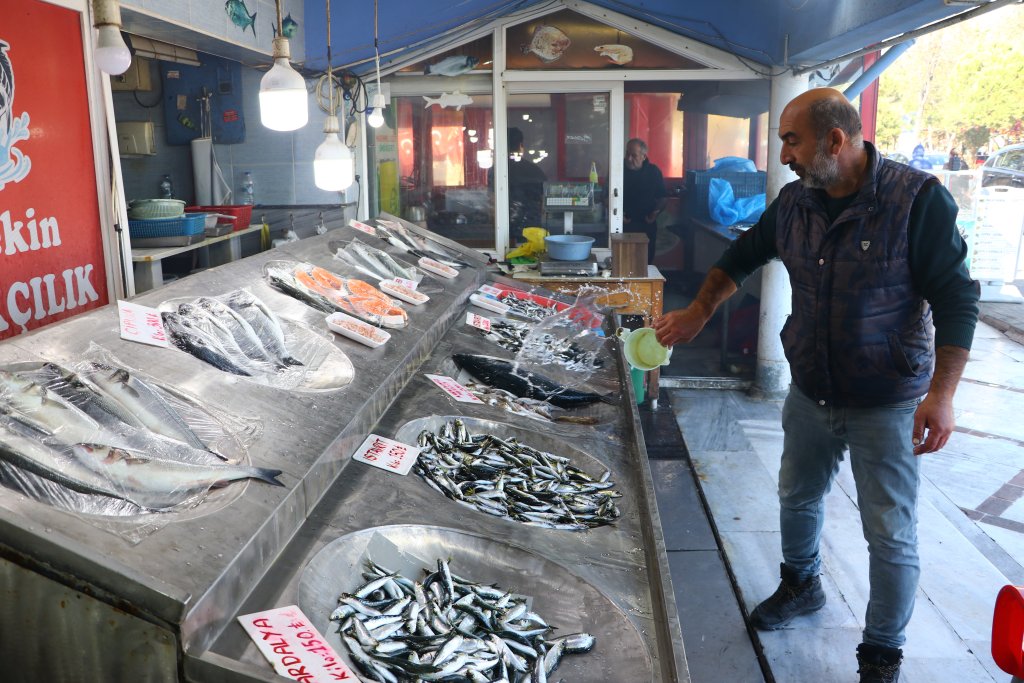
(726, 209)
(733, 165)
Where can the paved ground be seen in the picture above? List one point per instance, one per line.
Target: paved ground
(971, 532)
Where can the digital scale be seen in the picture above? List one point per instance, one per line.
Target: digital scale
(569, 268)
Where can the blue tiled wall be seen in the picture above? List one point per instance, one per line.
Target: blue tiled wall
(281, 163)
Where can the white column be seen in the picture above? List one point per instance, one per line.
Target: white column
(772, 377)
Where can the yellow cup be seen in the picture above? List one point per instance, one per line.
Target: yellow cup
(642, 349)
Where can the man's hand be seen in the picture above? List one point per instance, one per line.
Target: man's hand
(680, 326)
(933, 424)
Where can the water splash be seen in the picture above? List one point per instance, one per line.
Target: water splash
(14, 165)
(566, 346)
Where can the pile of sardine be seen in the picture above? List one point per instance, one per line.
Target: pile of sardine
(509, 479)
(526, 407)
(446, 628)
(541, 347)
(527, 308)
(104, 432)
(240, 335)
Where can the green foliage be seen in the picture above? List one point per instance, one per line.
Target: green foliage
(957, 87)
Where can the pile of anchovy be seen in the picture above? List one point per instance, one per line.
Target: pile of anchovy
(446, 628)
(508, 479)
(527, 308)
(542, 347)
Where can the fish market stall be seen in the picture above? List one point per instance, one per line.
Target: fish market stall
(544, 548)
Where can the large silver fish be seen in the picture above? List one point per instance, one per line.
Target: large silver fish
(158, 484)
(264, 323)
(195, 340)
(33, 404)
(142, 401)
(244, 335)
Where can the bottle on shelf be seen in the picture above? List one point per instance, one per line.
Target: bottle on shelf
(593, 172)
(166, 187)
(248, 189)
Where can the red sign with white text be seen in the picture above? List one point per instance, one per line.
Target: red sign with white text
(51, 249)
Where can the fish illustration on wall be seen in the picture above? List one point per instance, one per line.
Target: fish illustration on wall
(239, 15)
(616, 54)
(452, 66)
(289, 27)
(449, 99)
(548, 43)
(14, 165)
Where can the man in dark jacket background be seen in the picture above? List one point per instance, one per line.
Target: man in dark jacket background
(873, 255)
(643, 194)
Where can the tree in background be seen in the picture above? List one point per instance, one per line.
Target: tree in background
(961, 86)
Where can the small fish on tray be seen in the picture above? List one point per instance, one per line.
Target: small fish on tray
(505, 478)
(513, 335)
(447, 628)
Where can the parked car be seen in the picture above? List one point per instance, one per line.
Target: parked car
(1004, 167)
(897, 157)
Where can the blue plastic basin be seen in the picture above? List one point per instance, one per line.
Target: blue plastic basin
(569, 247)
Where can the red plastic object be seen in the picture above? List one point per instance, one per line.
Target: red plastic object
(241, 212)
(1008, 630)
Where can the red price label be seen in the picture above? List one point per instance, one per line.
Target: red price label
(478, 321)
(294, 647)
(362, 227)
(387, 454)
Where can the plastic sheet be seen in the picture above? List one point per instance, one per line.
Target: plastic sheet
(330, 293)
(726, 209)
(239, 334)
(97, 438)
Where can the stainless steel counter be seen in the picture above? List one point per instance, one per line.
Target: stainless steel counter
(252, 547)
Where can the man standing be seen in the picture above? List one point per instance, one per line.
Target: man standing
(643, 194)
(525, 188)
(873, 253)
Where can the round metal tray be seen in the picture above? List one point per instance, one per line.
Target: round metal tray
(563, 599)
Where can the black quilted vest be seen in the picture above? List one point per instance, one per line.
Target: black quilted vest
(859, 334)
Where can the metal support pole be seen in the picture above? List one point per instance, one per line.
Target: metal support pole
(772, 377)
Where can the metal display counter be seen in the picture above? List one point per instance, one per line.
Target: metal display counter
(83, 603)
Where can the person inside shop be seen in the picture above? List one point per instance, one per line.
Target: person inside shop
(874, 257)
(525, 187)
(643, 194)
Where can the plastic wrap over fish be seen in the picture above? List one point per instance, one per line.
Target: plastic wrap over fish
(238, 334)
(373, 262)
(97, 438)
(331, 293)
(396, 234)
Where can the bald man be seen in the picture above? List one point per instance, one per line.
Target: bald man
(874, 258)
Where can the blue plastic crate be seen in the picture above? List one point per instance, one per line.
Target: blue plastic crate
(189, 224)
(699, 182)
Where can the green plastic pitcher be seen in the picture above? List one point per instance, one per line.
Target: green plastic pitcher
(642, 349)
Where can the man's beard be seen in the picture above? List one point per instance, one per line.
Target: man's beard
(823, 171)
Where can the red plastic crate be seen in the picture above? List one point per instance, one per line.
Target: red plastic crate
(241, 212)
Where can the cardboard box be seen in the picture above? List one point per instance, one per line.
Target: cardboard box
(629, 255)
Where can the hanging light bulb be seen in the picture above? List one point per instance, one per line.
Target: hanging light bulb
(283, 102)
(333, 164)
(376, 116)
(334, 168)
(111, 54)
(484, 158)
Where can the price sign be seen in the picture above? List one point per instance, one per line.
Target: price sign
(454, 389)
(393, 456)
(141, 324)
(294, 647)
(492, 291)
(411, 284)
(478, 321)
(362, 227)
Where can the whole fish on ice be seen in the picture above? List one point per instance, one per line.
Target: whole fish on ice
(505, 375)
(449, 99)
(263, 321)
(193, 340)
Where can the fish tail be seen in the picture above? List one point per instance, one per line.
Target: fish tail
(266, 474)
(252, 23)
(610, 399)
(430, 101)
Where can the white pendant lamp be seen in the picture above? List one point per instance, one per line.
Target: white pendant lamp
(334, 167)
(284, 105)
(111, 54)
(377, 104)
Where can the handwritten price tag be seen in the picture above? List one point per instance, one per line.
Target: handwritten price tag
(492, 291)
(454, 389)
(362, 227)
(294, 647)
(387, 454)
(478, 321)
(141, 324)
(411, 284)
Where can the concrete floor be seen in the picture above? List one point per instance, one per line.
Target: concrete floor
(971, 534)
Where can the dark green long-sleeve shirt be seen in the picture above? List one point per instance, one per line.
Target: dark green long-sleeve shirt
(936, 257)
